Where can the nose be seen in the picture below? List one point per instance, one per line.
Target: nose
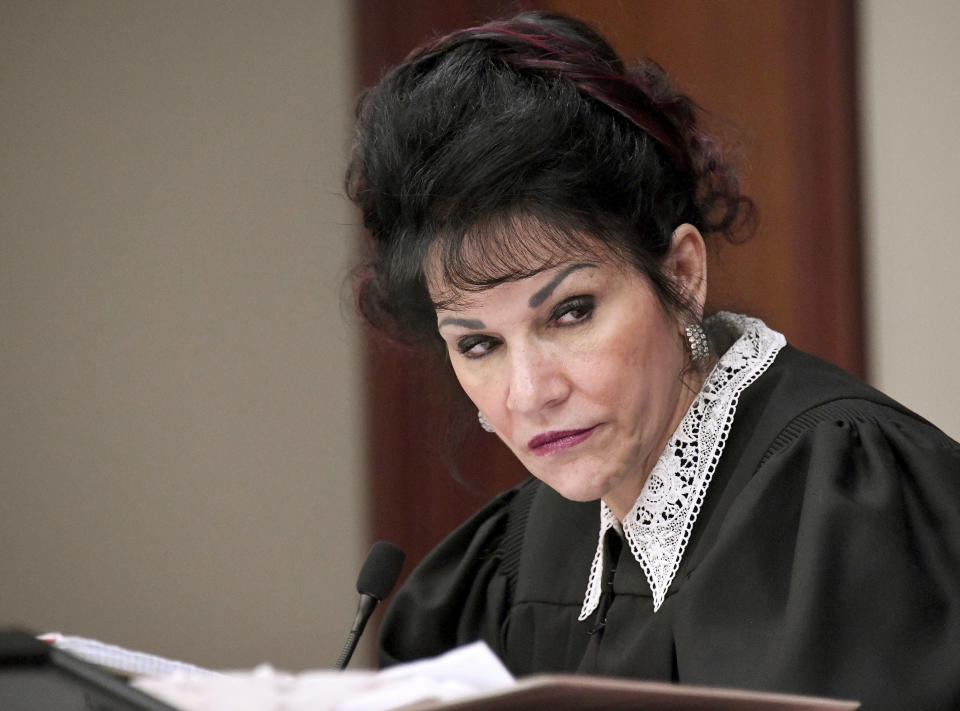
(537, 380)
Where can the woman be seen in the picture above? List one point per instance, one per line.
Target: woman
(708, 505)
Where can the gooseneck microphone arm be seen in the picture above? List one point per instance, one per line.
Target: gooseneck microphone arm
(377, 577)
(364, 610)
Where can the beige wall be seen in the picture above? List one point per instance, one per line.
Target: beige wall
(910, 58)
(179, 427)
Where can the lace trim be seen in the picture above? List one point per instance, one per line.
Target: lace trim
(658, 526)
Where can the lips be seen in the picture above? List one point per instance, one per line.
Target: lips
(557, 440)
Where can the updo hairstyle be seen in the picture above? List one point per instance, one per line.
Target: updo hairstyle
(503, 149)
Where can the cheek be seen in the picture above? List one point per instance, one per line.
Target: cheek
(479, 387)
(639, 364)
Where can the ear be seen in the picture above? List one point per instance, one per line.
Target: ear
(687, 265)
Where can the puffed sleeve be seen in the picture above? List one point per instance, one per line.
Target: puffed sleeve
(460, 592)
(862, 505)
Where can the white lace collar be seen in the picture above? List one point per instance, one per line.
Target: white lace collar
(658, 526)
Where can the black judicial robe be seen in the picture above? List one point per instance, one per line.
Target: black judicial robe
(825, 560)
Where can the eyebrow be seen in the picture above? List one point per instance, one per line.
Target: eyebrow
(465, 322)
(544, 293)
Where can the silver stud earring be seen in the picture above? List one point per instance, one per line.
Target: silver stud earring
(487, 427)
(697, 339)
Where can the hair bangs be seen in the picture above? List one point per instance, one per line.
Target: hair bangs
(503, 248)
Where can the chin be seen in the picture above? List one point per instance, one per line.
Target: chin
(578, 489)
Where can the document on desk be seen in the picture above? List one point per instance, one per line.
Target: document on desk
(467, 671)
(119, 660)
(470, 678)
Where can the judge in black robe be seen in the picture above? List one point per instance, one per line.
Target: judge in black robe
(825, 560)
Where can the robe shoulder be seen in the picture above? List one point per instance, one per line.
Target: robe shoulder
(833, 562)
(460, 592)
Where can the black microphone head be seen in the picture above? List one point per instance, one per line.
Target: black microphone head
(380, 570)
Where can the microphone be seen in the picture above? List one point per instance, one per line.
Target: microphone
(377, 577)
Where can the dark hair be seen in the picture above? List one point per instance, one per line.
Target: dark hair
(505, 148)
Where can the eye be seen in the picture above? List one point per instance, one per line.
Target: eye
(475, 346)
(572, 311)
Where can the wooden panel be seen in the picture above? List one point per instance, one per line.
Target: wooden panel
(778, 77)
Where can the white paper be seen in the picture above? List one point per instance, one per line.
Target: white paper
(118, 659)
(461, 672)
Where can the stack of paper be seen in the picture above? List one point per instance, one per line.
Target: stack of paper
(463, 672)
